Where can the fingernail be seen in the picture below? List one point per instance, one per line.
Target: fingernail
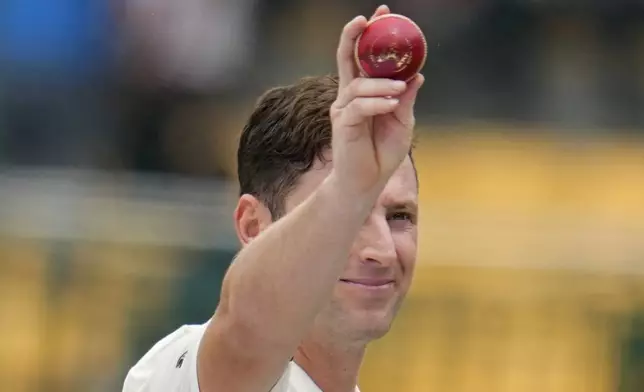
(393, 101)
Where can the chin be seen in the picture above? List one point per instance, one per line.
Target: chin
(358, 319)
(369, 324)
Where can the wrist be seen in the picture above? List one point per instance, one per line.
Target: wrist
(347, 199)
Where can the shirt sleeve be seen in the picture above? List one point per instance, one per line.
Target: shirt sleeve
(170, 365)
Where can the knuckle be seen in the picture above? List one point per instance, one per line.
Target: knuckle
(362, 86)
(352, 106)
(334, 111)
(358, 107)
(353, 88)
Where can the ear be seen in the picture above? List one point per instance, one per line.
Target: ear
(251, 218)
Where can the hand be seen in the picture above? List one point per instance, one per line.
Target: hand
(373, 120)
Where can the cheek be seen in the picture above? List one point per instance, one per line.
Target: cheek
(406, 248)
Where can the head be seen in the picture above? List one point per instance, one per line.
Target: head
(283, 156)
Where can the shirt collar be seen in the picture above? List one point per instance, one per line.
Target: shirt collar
(302, 378)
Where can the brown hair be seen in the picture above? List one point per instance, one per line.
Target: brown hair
(289, 129)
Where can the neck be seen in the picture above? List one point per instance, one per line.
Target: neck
(333, 366)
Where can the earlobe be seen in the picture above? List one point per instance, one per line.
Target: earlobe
(251, 217)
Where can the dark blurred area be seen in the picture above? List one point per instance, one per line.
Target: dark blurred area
(118, 130)
(154, 85)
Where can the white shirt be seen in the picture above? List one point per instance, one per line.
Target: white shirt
(171, 366)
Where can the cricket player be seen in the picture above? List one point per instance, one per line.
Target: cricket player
(327, 220)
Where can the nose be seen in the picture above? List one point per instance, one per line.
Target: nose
(375, 242)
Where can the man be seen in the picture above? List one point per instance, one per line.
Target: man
(327, 221)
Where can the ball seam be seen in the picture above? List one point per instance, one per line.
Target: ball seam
(422, 35)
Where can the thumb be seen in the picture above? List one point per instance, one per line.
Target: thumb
(405, 110)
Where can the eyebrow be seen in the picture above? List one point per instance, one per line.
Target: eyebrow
(397, 205)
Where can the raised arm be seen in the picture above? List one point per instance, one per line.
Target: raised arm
(283, 277)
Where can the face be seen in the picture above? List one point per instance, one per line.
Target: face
(381, 262)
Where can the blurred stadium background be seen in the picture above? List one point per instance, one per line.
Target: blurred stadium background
(118, 124)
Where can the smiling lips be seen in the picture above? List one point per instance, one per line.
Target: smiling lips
(370, 283)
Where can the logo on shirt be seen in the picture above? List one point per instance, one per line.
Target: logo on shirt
(180, 360)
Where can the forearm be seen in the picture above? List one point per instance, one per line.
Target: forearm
(281, 280)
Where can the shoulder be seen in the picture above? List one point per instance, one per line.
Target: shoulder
(170, 365)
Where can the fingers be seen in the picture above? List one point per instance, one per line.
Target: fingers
(363, 108)
(346, 64)
(345, 56)
(382, 10)
(405, 111)
(369, 87)
(367, 97)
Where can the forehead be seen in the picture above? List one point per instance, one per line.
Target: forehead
(401, 188)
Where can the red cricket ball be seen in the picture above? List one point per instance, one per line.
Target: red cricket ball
(391, 46)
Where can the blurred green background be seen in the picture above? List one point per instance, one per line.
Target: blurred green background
(118, 127)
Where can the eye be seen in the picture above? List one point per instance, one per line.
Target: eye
(401, 216)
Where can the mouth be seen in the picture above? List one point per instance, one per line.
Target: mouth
(370, 284)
